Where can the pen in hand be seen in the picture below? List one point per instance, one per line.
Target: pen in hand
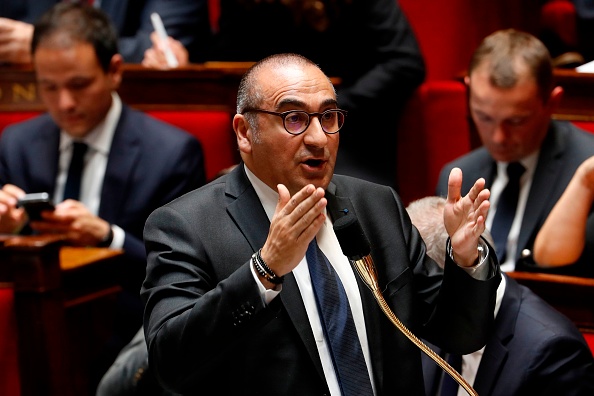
(160, 29)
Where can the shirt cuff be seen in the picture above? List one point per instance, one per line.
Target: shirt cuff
(267, 294)
(119, 236)
(479, 271)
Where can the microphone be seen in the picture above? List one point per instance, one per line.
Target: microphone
(356, 247)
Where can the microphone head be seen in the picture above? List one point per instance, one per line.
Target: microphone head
(352, 239)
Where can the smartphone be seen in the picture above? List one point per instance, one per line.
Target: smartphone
(35, 203)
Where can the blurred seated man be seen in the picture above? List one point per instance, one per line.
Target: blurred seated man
(533, 349)
(131, 20)
(567, 235)
(368, 44)
(512, 97)
(130, 163)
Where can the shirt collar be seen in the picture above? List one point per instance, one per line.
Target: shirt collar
(529, 163)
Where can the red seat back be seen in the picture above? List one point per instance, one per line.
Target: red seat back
(213, 129)
(434, 130)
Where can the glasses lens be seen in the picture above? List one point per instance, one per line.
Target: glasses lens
(332, 120)
(296, 122)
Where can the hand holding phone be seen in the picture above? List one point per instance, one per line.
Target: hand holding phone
(35, 203)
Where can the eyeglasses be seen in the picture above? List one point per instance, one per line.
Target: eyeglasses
(297, 121)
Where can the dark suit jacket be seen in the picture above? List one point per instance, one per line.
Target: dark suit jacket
(533, 350)
(183, 20)
(563, 150)
(209, 331)
(149, 164)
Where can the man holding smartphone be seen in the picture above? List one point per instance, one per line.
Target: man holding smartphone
(132, 163)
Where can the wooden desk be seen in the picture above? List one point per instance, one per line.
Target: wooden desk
(63, 300)
(577, 103)
(212, 85)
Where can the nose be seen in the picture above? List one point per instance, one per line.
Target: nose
(499, 134)
(66, 100)
(314, 135)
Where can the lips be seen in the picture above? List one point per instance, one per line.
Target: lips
(314, 163)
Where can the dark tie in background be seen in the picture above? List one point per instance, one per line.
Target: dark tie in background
(449, 386)
(72, 188)
(338, 324)
(506, 209)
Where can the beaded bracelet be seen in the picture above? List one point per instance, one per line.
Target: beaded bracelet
(264, 270)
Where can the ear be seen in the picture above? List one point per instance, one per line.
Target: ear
(467, 80)
(555, 99)
(243, 132)
(115, 70)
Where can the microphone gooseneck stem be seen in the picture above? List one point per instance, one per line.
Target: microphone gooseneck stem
(366, 270)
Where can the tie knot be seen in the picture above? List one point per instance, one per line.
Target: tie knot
(79, 149)
(515, 170)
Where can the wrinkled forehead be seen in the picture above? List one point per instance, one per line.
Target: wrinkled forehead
(304, 86)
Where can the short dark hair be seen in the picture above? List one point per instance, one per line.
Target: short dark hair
(503, 50)
(78, 23)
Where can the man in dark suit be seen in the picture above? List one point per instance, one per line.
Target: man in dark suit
(133, 163)
(131, 19)
(511, 100)
(533, 349)
(230, 300)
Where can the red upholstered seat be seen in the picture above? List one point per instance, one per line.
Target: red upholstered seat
(10, 117)
(590, 340)
(9, 363)
(559, 16)
(213, 129)
(587, 125)
(433, 131)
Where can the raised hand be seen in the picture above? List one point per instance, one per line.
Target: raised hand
(464, 217)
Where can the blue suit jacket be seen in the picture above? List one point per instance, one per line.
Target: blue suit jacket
(150, 163)
(533, 350)
(185, 20)
(564, 148)
(210, 333)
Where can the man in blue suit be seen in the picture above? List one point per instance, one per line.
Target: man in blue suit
(133, 163)
(532, 350)
(512, 97)
(185, 20)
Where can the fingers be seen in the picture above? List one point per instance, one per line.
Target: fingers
(302, 213)
(454, 185)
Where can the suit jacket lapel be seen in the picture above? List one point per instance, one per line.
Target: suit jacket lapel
(44, 151)
(496, 351)
(48, 152)
(123, 155)
(251, 219)
(546, 173)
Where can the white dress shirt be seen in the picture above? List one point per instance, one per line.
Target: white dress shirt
(99, 143)
(329, 245)
(499, 184)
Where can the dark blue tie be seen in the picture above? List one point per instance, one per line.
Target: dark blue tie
(72, 188)
(506, 209)
(449, 386)
(338, 324)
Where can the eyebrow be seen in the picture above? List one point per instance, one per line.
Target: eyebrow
(300, 104)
